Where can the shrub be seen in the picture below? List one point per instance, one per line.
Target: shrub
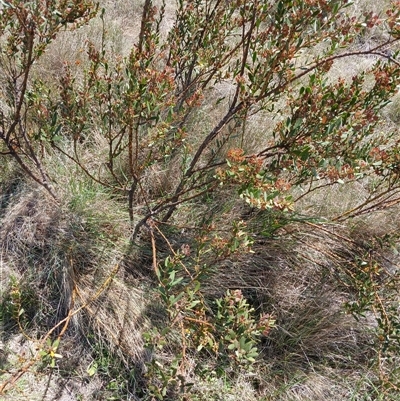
(124, 120)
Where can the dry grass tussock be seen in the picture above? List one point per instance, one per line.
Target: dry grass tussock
(120, 26)
(65, 260)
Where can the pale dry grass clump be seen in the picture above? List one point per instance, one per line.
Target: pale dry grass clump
(64, 258)
(120, 29)
(118, 317)
(223, 389)
(32, 242)
(121, 25)
(314, 386)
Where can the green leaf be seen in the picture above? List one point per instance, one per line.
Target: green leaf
(196, 286)
(177, 281)
(92, 369)
(193, 304)
(172, 275)
(173, 299)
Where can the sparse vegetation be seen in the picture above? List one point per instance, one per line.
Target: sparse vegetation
(199, 201)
